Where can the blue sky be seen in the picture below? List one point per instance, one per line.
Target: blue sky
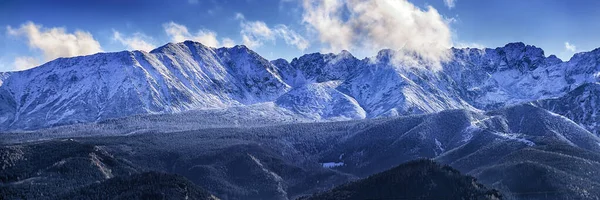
(34, 32)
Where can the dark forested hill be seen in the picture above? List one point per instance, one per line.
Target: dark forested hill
(148, 185)
(520, 150)
(420, 179)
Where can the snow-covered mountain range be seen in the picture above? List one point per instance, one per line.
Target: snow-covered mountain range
(190, 76)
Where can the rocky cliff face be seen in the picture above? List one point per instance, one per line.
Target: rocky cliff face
(582, 105)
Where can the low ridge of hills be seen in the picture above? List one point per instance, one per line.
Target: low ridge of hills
(523, 151)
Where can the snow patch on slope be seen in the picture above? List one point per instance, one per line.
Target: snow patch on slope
(322, 101)
(332, 164)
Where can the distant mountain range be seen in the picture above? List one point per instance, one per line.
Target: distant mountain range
(314, 87)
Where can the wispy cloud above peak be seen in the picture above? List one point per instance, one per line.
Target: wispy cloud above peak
(25, 62)
(291, 37)
(570, 47)
(180, 33)
(462, 45)
(256, 33)
(138, 41)
(374, 25)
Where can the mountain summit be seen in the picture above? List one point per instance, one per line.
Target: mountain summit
(190, 76)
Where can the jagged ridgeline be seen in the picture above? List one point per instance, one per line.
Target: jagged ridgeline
(314, 87)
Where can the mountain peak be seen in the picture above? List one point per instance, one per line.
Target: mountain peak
(240, 46)
(280, 60)
(189, 75)
(513, 48)
(385, 55)
(162, 48)
(173, 47)
(344, 53)
(552, 59)
(518, 45)
(281, 63)
(583, 55)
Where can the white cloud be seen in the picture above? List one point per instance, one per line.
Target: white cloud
(180, 33)
(56, 42)
(462, 45)
(228, 42)
(177, 32)
(137, 41)
(249, 42)
(570, 47)
(25, 62)
(53, 43)
(258, 28)
(373, 25)
(324, 16)
(255, 33)
(206, 37)
(291, 37)
(449, 3)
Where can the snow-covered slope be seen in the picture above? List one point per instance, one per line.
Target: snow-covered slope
(492, 78)
(172, 78)
(321, 101)
(189, 76)
(317, 67)
(383, 88)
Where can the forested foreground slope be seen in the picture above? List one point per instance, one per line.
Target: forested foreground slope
(520, 150)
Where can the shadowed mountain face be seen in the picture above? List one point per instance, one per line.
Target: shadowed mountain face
(421, 179)
(108, 168)
(519, 150)
(147, 185)
(582, 105)
(45, 170)
(314, 87)
(73, 170)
